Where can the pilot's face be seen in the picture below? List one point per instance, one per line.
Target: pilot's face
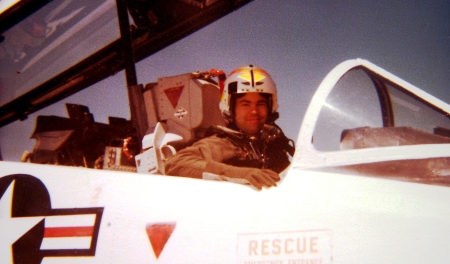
(251, 113)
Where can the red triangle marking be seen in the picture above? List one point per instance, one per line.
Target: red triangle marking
(158, 235)
(173, 94)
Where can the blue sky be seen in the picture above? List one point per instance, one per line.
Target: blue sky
(297, 42)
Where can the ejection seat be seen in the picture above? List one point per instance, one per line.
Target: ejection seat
(180, 109)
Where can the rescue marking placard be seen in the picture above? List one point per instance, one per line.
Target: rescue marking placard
(311, 246)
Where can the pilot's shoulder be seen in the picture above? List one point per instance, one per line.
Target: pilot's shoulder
(215, 139)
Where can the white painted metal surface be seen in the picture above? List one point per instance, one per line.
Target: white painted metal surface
(341, 218)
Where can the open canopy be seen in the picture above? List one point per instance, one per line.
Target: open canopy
(50, 50)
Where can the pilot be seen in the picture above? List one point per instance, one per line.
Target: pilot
(251, 149)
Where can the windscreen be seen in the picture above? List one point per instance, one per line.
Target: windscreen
(364, 111)
(353, 102)
(411, 111)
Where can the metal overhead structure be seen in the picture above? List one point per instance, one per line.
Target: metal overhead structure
(146, 38)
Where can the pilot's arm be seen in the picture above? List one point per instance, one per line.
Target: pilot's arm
(207, 156)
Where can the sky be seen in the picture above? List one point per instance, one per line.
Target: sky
(297, 42)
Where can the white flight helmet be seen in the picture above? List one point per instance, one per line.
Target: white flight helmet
(248, 79)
